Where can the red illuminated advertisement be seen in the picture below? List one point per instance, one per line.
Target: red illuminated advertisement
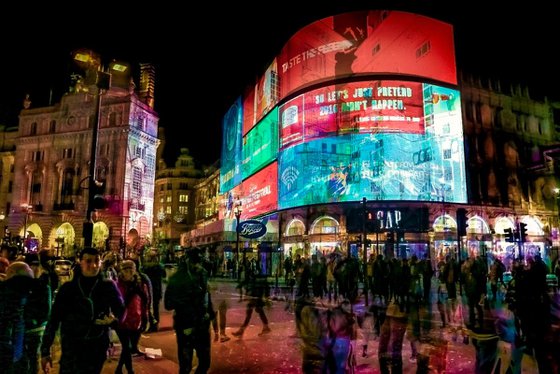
(258, 195)
(368, 42)
(248, 110)
(357, 107)
(260, 100)
(260, 192)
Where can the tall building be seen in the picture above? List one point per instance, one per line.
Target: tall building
(53, 156)
(174, 205)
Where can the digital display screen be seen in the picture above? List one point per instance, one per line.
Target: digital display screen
(260, 145)
(367, 42)
(230, 170)
(258, 195)
(423, 162)
(262, 98)
(358, 107)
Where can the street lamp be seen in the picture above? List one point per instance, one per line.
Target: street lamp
(26, 207)
(237, 211)
(101, 81)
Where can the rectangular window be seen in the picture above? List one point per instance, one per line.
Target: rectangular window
(67, 153)
(183, 209)
(136, 183)
(168, 210)
(36, 155)
(183, 198)
(169, 198)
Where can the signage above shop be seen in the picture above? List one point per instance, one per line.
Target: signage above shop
(389, 219)
(251, 229)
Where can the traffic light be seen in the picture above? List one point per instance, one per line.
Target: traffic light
(99, 201)
(509, 235)
(522, 232)
(462, 221)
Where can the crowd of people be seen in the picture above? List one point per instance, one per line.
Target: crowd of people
(102, 296)
(503, 320)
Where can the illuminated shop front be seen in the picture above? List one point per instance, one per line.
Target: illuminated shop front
(445, 236)
(479, 237)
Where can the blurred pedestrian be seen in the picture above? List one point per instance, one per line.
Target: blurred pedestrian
(220, 299)
(258, 292)
(83, 310)
(155, 271)
(14, 294)
(187, 295)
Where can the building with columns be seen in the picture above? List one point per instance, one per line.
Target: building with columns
(52, 158)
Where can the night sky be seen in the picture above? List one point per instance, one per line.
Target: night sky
(200, 70)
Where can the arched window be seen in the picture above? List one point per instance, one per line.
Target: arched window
(296, 227)
(325, 225)
(33, 129)
(52, 127)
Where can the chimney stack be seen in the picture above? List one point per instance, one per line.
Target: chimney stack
(147, 84)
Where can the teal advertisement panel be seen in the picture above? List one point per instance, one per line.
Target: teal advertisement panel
(260, 145)
(415, 166)
(230, 170)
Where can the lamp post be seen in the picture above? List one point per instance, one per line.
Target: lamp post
(237, 211)
(101, 80)
(26, 207)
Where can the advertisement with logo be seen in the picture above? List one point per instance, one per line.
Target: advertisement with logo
(230, 170)
(258, 195)
(260, 145)
(368, 42)
(251, 229)
(358, 107)
(260, 192)
(389, 165)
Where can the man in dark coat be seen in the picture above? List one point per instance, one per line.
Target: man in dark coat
(83, 309)
(187, 295)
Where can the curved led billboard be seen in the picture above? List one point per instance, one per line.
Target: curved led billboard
(230, 169)
(367, 42)
(410, 156)
(351, 136)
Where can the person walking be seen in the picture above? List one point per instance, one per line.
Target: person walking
(84, 308)
(220, 298)
(14, 294)
(257, 291)
(155, 271)
(135, 295)
(187, 295)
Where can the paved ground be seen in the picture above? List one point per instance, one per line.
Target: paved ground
(278, 352)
